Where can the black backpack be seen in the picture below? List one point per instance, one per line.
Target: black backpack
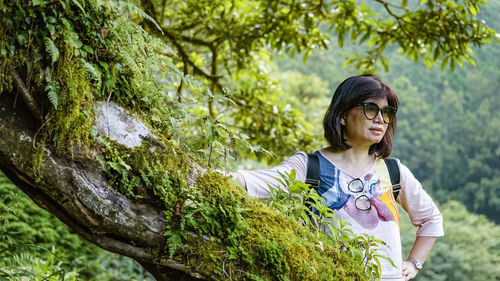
(312, 177)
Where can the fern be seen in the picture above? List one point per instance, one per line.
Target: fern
(51, 48)
(52, 90)
(95, 74)
(72, 39)
(79, 5)
(133, 9)
(174, 241)
(131, 63)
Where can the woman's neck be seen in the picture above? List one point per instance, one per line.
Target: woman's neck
(353, 161)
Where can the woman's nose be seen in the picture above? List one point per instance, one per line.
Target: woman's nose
(379, 118)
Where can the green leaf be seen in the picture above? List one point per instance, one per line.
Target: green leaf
(88, 49)
(22, 39)
(486, 40)
(93, 71)
(293, 175)
(37, 2)
(104, 64)
(51, 20)
(155, 118)
(79, 5)
(428, 62)
(51, 28)
(473, 10)
(132, 8)
(72, 38)
(51, 48)
(437, 52)
(209, 92)
(306, 55)
(444, 62)
(366, 36)
(471, 61)
(52, 89)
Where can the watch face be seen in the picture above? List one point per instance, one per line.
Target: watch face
(417, 264)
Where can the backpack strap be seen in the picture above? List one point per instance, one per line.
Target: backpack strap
(393, 168)
(312, 177)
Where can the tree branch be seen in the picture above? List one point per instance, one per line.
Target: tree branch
(213, 77)
(76, 193)
(27, 97)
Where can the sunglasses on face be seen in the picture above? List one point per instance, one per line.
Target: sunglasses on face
(371, 109)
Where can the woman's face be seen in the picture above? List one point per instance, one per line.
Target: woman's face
(361, 131)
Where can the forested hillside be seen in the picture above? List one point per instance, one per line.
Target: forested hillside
(449, 122)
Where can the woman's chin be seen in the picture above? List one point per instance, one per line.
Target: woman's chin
(374, 139)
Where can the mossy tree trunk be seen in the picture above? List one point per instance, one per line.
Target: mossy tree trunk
(179, 223)
(75, 190)
(226, 235)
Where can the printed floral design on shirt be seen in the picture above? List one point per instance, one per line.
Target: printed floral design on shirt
(380, 207)
(334, 190)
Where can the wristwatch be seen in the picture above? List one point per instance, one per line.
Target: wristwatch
(417, 264)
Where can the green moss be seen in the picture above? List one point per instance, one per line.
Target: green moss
(236, 237)
(37, 161)
(204, 255)
(246, 239)
(70, 124)
(260, 242)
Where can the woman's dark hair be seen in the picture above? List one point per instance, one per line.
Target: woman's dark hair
(350, 93)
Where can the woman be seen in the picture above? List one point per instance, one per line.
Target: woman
(359, 126)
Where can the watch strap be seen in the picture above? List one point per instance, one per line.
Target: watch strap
(417, 263)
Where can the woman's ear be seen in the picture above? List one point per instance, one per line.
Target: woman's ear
(342, 120)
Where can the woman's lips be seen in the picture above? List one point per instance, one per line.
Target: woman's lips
(376, 131)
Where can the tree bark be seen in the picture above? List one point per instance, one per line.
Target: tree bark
(76, 191)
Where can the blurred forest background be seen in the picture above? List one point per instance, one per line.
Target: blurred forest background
(448, 135)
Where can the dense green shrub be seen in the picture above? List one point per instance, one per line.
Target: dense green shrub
(35, 244)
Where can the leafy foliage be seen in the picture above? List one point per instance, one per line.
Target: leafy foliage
(77, 57)
(25, 267)
(51, 49)
(53, 89)
(34, 245)
(26, 228)
(112, 267)
(229, 48)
